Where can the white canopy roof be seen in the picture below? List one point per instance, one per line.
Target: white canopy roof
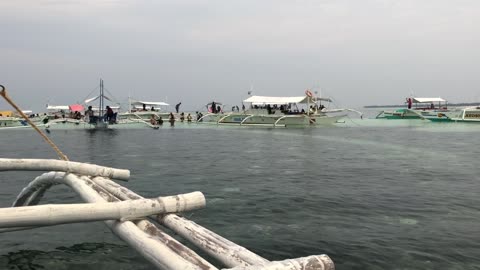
(95, 98)
(149, 103)
(115, 108)
(428, 100)
(258, 100)
(57, 108)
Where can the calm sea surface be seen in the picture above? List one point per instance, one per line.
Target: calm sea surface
(370, 194)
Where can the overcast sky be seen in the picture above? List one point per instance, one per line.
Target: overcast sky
(357, 52)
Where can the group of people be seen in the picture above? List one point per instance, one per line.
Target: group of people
(144, 108)
(171, 119)
(287, 109)
(215, 108)
(110, 116)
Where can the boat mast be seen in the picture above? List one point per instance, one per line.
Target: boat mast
(129, 104)
(101, 99)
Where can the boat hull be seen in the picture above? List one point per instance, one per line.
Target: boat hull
(468, 115)
(432, 115)
(271, 120)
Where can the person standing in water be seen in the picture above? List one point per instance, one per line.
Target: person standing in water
(171, 119)
(89, 115)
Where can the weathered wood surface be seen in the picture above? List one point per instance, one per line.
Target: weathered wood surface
(227, 252)
(185, 252)
(318, 262)
(62, 166)
(53, 214)
(33, 192)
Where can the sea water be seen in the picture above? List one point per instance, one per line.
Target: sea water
(370, 194)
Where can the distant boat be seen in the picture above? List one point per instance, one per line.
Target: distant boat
(10, 120)
(144, 110)
(100, 118)
(433, 109)
(470, 114)
(274, 111)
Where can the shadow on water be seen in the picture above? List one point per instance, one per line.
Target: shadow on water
(79, 256)
(96, 140)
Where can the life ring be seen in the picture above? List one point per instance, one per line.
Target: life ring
(308, 93)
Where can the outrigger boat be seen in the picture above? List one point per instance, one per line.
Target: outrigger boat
(145, 110)
(101, 118)
(280, 112)
(470, 115)
(433, 109)
(10, 120)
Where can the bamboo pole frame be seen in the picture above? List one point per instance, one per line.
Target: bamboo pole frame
(118, 206)
(54, 214)
(162, 242)
(7, 164)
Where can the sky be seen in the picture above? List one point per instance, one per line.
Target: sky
(195, 51)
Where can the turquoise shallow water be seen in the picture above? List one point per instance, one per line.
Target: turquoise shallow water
(370, 194)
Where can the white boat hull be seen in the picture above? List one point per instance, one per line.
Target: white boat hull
(245, 119)
(468, 115)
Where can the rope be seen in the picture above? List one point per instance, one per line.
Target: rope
(3, 93)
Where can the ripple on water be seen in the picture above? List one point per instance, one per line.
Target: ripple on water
(371, 197)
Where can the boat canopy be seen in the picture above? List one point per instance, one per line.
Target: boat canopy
(6, 113)
(149, 103)
(259, 100)
(95, 98)
(57, 108)
(76, 108)
(428, 100)
(114, 108)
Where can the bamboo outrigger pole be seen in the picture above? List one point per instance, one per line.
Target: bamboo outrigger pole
(3, 93)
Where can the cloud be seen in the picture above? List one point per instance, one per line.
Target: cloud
(191, 50)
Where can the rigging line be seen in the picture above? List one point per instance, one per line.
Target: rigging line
(4, 94)
(111, 95)
(85, 98)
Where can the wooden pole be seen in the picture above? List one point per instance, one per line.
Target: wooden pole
(62, 166)
(317, 262)
(53, 214)
(228, 252)
(34, 191)
(4, 94)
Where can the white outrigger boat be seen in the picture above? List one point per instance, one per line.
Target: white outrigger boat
(9, 120)
(145, 110)
(433, 109)
(100, 118)
(280, 112)
(468, 115)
